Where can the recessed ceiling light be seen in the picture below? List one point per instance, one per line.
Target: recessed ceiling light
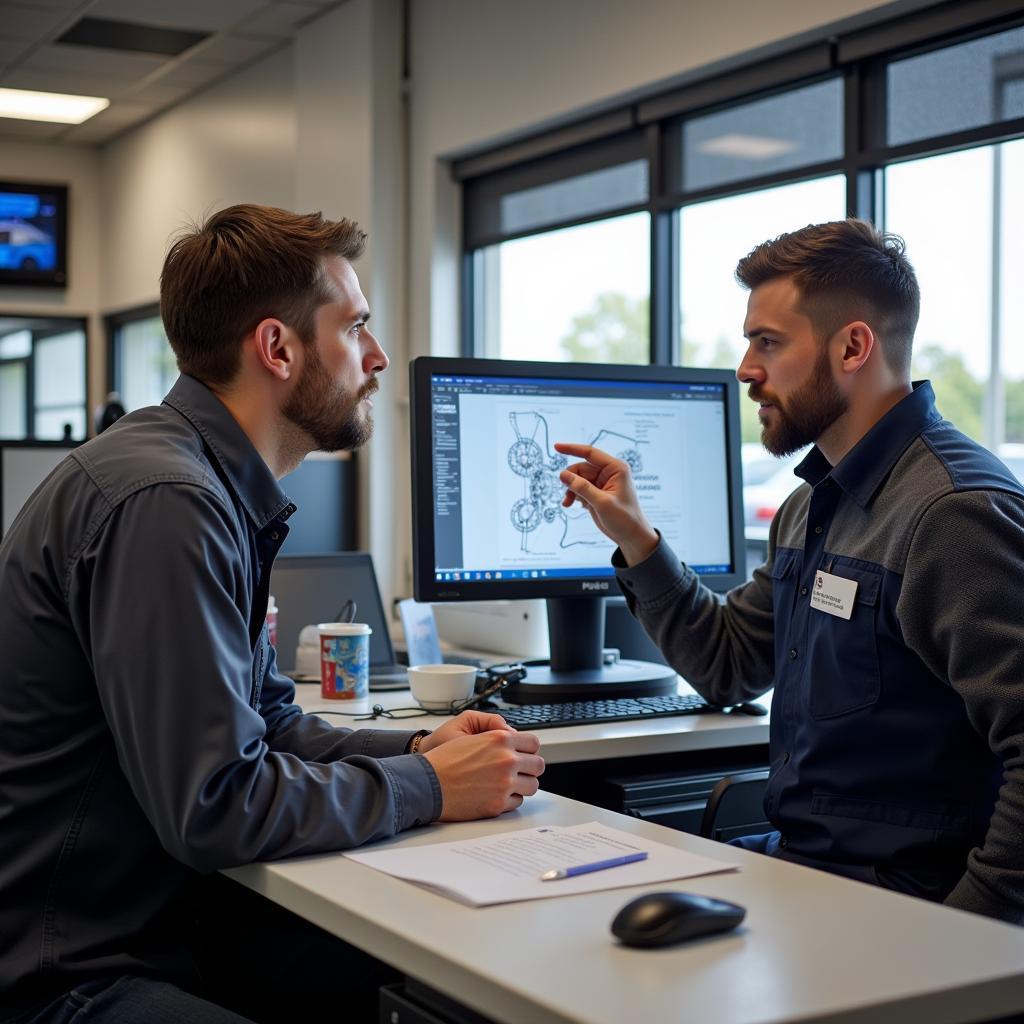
(49, 106)
(746, 147)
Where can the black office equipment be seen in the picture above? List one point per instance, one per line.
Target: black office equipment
(736, 807)
(667, 918)
(590, 712)
(312, 588)
(487, 516)
(323, 487)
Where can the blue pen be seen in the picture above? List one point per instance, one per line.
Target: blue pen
(599, 865)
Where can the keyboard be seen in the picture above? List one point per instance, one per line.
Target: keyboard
(587, 712)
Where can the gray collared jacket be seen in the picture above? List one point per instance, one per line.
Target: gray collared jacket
(897, 733)
(145, 732)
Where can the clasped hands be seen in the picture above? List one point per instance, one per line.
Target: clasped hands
(484, 766)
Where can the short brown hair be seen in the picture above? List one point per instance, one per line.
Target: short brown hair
(244, 264)
(846, 270)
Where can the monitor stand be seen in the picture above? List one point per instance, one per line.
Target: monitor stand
(576, 670)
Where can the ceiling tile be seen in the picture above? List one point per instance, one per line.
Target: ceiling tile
(92, 61)
(11, 49)
(112, 121)
(37, 131)
(205, 15)
(193, 74)
(124, 112)
(279, 19)
(90, 135)
(233, 49)
(31, 22)
(160, 92)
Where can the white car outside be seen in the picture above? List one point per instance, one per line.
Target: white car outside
(767, 482)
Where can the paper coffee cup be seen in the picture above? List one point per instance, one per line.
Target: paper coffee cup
(344, 660)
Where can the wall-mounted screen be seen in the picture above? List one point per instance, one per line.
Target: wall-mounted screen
(33, 234)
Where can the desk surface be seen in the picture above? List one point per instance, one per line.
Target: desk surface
(580, 742)
(814, 947)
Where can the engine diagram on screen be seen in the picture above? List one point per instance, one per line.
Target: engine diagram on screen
(530, 457)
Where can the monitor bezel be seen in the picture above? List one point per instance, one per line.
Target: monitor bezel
(58, 276)
(423, 368)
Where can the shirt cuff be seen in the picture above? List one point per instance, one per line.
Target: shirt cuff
(385, 742)
(416, 789)
(658, 574)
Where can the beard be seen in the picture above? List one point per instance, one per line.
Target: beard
(333, 417)
(812, 408)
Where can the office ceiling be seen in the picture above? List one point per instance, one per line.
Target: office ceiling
(144, 55)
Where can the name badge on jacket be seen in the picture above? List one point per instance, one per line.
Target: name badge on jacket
(833, 594)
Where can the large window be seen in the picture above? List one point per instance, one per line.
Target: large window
(43, 371)
(595, 309)
(616, 239)
(713, 236)
(142, 365)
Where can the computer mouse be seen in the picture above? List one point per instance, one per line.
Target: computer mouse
(749, 708)
(665, 918)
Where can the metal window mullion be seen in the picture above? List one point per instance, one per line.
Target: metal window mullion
(995, 392)
(30, 391)
(468, 340)
(664, 290)
(660, 240)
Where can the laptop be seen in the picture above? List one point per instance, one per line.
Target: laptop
(314, 588)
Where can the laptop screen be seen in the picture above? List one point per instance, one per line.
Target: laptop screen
(313, 588)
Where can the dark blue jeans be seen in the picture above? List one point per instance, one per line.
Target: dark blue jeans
(254, 962)
(767, 843)
(131, 1000)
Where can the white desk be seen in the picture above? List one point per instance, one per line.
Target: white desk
(814, 947)
(572, 744)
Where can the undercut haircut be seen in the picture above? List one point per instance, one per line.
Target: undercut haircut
(243, 265)
(845, 270)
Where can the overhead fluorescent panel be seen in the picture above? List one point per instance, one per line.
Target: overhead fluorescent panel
(62, 108)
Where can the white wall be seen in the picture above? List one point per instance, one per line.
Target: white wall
(317, 126)
(78, 167)
(350, 163)
(234, 142)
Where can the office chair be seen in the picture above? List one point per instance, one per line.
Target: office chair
(736, 807)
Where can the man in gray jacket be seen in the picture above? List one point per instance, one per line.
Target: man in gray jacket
(886, 616)
(146, 736)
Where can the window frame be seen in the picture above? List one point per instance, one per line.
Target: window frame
(42, 326)
(112, 323)
(861, 57)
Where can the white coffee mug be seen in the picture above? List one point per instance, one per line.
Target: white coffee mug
(435, 687)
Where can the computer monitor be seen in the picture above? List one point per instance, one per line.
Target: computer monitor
(488, 522)
(24, 465)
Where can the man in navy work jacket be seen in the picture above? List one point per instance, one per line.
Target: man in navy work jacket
(887, 616)
(146, 736)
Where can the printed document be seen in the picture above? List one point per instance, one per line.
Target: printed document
(506, 868)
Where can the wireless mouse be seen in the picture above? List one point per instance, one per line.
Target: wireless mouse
(665, 918)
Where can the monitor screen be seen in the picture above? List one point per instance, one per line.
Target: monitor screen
(488, 518)
(24, 465)
(33, 234)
